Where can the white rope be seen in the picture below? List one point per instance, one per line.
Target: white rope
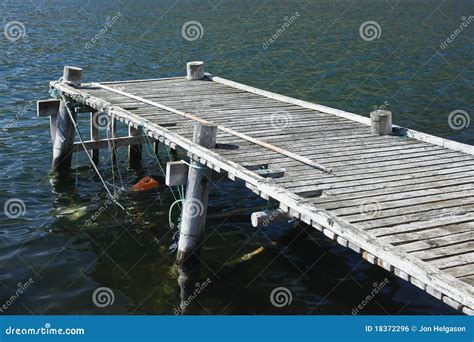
(88, 154)
(112, 150)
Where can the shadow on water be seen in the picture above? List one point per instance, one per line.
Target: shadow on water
(129, 253)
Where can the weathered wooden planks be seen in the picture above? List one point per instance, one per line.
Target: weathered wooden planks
(419, 183)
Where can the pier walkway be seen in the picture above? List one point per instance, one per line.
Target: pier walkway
(402, 199)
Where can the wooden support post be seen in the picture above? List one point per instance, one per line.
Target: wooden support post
(264, 218)
(197, 194)
(113, 134)
(195, 70)
(52, 127)
(49, 108)
(381, 122)
(95, 135)
(65, 132)
(174, 153)
(134, 151)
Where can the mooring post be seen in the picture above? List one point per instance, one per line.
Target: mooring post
(65, 132)
(194, 70)
(95, 134)
(134, 151)
(197, 194)
(381, 122)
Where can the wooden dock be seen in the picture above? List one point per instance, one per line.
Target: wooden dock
(401, 198)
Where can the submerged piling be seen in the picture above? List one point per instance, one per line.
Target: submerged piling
(197, 194)
(64, 135)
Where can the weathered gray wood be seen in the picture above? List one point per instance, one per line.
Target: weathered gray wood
(72, 75)
(64, 140)
(266, 217)
(381, 122)
(469, 280)
(52, 127)
(424, 197)
(47, 107)
(454, 145)
(461, 271)
(419, 236)
(453, 261)
(424, 212)
(382, 163)
(176, 173)
(197, 194)
(333, 200)
(134, 151)
(195, 70)
(222, 128)
(438, 241)
(113, 136)
(104, 143)
(460, 223)
(441, 252)
(94, 122)
(270, 173)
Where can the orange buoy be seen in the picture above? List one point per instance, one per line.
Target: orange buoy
(145, 184)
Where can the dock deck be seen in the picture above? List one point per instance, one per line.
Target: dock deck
(403, 201)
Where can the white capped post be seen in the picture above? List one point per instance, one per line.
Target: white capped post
(65, 132)
(381, 122)
(197, 194)
(194, 70)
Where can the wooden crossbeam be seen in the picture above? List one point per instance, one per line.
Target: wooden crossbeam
(104, 143)
(47, 107)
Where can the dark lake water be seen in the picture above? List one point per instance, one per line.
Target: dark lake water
(319, 57)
